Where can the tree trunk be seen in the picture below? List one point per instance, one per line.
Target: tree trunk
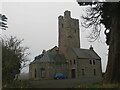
(112, 74)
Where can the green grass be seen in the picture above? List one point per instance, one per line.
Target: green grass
(22, 83)
(97, 85)
(18, 84)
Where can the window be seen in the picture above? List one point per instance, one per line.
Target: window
(74, 61)
(35, 73)
(69, 36)
(62, 25)
(94, 71)
(90, 61)
(70, 62)
(75, 30)
(75, 23)
(42, 72)
(94, 62)
(83, 73)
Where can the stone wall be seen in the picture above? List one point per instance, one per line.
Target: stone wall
(46, 70)
(89, 71)
(68, 33)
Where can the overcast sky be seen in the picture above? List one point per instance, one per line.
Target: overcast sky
(37, 24)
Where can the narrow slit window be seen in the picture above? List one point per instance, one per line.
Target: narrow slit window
(62, 25)
(35, 73)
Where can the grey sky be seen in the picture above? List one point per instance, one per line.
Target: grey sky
(37, 24)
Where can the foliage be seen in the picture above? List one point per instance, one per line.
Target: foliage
(3, 20)
(100, 13)
(13, 55)
(108, 14)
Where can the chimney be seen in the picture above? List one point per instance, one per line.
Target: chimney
(91, 48)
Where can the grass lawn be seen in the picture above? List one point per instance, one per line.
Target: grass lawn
(97, 85)
(18, 84)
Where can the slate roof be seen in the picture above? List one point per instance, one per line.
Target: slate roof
(86, 53)
(59, 59)
(49, 56)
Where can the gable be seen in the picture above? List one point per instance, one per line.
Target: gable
(85, 53)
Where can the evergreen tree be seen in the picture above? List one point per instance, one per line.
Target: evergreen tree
(108, 14)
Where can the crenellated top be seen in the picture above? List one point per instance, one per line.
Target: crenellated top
(67, 14)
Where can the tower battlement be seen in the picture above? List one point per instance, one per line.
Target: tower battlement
(67, 14)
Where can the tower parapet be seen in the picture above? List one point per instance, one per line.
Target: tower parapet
(67, 14)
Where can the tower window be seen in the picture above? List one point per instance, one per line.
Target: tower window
(69, 36)
(62, 25)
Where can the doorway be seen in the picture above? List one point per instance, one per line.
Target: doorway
(42, 72)
(73, 73)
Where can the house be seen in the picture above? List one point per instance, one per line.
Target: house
(47, 64)
(68, 58)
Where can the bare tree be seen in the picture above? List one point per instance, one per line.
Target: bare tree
(13, 55)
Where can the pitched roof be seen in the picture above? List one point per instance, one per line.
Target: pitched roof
(86, 53)
(59, 59)
(50, 56)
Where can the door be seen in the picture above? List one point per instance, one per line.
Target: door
(73, 73)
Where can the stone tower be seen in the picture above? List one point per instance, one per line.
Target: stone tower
(68, 33)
